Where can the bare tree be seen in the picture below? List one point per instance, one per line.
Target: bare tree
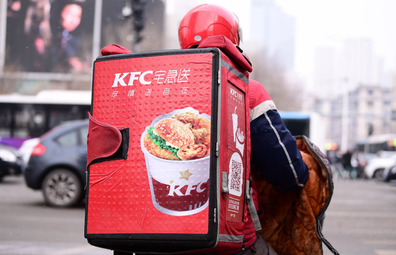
(286, 93)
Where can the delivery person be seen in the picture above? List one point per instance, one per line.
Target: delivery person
(274, 152)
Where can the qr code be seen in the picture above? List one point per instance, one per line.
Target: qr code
(235, 175)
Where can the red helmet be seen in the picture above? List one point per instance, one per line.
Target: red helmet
(206, 20)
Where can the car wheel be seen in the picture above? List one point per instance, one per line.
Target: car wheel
(378, 174)
(62, 188)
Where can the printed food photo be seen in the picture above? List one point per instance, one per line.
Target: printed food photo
(177, 149)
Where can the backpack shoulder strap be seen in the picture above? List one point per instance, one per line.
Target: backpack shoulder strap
(230, 49)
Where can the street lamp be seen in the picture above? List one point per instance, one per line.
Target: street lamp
(345, 115)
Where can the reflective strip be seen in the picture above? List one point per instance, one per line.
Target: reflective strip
(284, 148)
(261, 109)
(224, 183)
(252, 207)
(234, 71)
(230, 238)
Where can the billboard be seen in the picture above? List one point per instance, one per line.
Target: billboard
(49, 36)
(57, 36)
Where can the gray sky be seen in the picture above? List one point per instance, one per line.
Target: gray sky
(331, 21)
(325, 22)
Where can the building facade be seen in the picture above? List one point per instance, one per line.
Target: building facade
(369, 112)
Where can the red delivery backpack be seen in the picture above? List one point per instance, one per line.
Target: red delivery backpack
(169, 150)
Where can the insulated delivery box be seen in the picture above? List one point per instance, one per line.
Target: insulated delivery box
(167, 152)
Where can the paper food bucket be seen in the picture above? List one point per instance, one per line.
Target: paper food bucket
(178, 187)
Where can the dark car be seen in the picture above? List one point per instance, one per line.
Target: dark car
(57, 164)
(389, 174)
(11, 162)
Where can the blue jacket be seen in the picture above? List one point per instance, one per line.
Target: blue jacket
(273, 148)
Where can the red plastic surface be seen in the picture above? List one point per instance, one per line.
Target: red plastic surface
(133, 93)
(236, 152)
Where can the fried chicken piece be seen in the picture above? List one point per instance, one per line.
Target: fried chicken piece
(186, 118)
(200, 135)
(203, 123)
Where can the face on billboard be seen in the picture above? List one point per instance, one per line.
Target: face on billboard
(71, 17)
(49, 36)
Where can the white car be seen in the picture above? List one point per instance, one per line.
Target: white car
(27, 147)
(375, 167)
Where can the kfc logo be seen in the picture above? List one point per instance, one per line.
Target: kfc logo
(133, 76)
(235, 94)
(179, 190)
(147, 77)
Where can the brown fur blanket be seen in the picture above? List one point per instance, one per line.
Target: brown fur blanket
(291, 222)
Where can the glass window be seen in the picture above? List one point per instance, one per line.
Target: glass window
(61, 113)
(68, 139)
(37, 120)
(22, 120)
(5, 121)
(64, 113)
(83, 135)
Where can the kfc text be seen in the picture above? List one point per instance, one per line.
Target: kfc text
(147, 77)
(236, 94)
(173, 190)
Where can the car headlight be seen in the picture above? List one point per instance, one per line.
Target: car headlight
(7, 155)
